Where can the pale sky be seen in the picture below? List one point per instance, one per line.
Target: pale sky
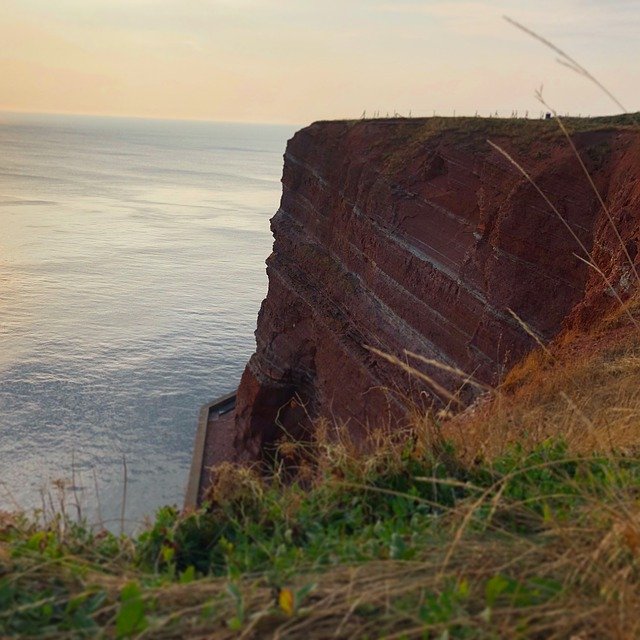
(295, 61)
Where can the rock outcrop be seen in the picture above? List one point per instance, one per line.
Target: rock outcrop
(417, 235)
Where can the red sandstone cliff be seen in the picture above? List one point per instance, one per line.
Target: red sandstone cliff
(417, 235)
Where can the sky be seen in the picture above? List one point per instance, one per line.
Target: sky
(295, 61)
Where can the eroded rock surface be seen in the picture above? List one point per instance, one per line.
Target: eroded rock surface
(417, 235)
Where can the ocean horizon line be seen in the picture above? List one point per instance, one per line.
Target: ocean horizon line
(159, 119)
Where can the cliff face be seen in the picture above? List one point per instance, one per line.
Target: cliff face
(416, 235)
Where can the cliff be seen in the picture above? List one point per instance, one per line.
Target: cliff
(417, 235)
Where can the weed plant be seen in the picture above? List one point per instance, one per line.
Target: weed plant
(401, 543)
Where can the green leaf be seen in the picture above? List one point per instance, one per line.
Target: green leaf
(188, 575)
(494, 588)
(209, 610)
(7, 593)
(235, 624)
(303, 592)
(398, 547)
(131, 617)
(47, 611)
(463, 588)
(37, 541)
(235, 593)
(168, 554)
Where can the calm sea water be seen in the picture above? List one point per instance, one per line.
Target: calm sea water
(131, 273)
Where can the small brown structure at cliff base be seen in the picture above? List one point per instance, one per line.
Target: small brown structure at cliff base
(213, 443)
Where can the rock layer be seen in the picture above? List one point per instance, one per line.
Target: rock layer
(417, 235)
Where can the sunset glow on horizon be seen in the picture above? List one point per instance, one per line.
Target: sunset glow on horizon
(294, 62)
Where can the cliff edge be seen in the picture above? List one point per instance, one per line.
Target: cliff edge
(417, 235)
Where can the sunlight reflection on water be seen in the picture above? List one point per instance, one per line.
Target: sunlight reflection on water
(131, 272)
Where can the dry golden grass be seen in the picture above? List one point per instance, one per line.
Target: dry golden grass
(583, 388)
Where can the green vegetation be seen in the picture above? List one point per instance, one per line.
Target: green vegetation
(400, 543)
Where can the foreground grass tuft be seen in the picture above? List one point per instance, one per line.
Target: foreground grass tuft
(534, 544)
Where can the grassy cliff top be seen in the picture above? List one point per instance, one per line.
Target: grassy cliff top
(499, 124)
(402, 137)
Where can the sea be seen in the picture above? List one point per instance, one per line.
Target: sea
(131, 273)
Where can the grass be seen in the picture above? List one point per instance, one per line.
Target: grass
(425, 548)
(583, 389)
(406, 137)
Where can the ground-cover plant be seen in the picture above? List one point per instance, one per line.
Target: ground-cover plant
(538, 543)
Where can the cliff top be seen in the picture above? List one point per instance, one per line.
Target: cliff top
(401, 138)
(501, 126)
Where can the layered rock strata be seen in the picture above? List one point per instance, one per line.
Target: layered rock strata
(417, 235)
